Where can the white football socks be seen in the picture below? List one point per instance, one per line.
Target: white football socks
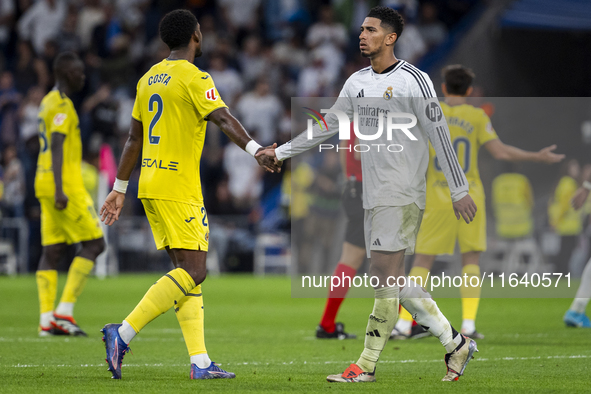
(65, 309)
(404, 326)
(421, 306)
(584, 292)
(126, 332)
(380, 325)
(45, 319)
(468, 326)
(201, 360)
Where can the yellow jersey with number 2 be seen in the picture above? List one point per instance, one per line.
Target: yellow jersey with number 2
(173, 101)
(57, 115)
(469, 129)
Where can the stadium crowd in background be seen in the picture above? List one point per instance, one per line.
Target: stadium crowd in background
(259, 52)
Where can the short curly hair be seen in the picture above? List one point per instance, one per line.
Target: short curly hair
(390, 18)
(177, 27)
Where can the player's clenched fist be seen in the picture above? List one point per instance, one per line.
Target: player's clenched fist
(466, 208)
(112, 207)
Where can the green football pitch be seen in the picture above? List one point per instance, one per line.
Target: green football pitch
(255, 329)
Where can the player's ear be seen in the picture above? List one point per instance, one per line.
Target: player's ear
(444, 89)
(391, 38)
(469, 91)
(196, 36)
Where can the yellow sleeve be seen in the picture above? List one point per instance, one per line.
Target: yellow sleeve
(204, 95)
(136, 113)
(61, 119)
(485, 131)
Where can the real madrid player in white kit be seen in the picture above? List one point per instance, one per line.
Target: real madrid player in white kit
(393, 170)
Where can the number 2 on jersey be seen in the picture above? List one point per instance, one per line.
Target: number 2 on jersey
(155, 98)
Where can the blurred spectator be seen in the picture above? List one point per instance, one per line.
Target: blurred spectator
(282, 17)
(564, 219)
(326, 31)
(41, 22)
(252, 61)
(328, 38)
(99, 114)
(210, 35)
(9, 101)
(14, 184)
(227, 80)
(240, 16)
(49, 54)
(7, 12)
(104, 33)
(67, 38)
(116, 69)
(90, 16)
(291, 54)
(410, 46)
(431, 28)
(28, 111)
(314, 78)
(261, 110)
(29, 70)
(244, 177)
(409, 8)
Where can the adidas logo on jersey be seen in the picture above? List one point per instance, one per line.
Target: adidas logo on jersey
(361, 93)
(374, 333)
(377, 242)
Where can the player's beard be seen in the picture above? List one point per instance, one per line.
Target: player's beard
(370, 55)
(198, 52)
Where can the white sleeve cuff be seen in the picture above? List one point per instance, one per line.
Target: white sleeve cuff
(459, 196)
(282, 152)
(252, 147)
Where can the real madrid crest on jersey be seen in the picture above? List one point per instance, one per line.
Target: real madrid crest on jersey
(388, 93)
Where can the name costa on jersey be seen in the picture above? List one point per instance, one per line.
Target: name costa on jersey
(159, 78)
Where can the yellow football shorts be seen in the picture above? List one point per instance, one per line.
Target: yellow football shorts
(177, 225)
(440, 230)
(77, 223)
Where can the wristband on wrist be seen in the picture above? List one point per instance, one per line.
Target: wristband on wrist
(120, 186)
(252, 147)
(587, 185)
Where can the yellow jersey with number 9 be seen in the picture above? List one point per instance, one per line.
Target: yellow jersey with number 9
(173, 100)
(57, 115)
(469, 129)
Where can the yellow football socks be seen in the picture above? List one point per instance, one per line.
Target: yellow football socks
(171, 288)
(470, 295)
(47, 287)
(419, 272)
(77, 278)
(189, 312)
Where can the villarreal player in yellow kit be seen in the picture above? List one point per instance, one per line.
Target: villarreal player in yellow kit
(173, 103)
(469, 128)
(67, 210)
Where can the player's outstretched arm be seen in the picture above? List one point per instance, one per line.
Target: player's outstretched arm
(133, 146)
(238, 135)
(501, 151)
(57, 159)
(465, 208)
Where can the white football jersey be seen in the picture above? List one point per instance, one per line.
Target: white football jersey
(393, 164)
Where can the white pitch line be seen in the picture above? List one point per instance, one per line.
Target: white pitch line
(256, 363)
